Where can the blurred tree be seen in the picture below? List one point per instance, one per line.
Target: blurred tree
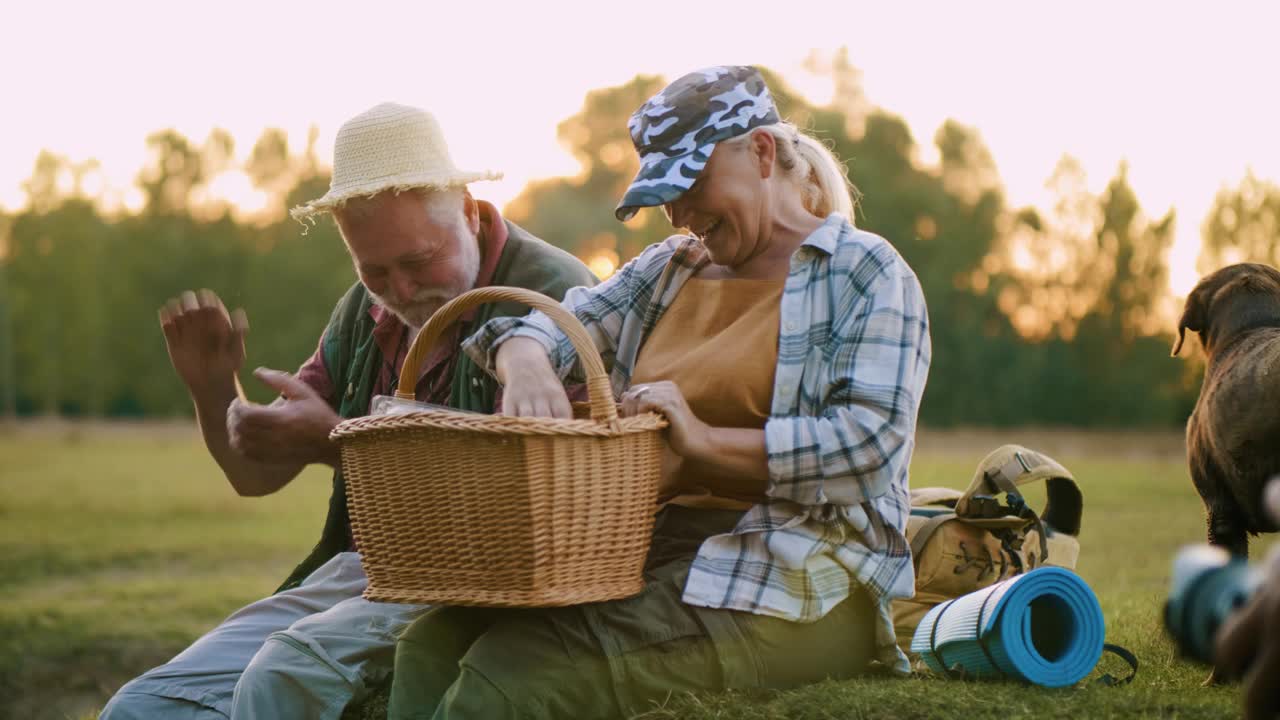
(1037, 317)
(577, 213)
(174, 171)
(269, 166)
(1243, 226)
(8, 373)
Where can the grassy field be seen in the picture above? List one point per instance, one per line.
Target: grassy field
(122, 544)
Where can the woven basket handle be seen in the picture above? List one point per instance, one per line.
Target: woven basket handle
(599, 391)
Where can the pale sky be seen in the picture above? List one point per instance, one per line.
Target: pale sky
(1185, 92)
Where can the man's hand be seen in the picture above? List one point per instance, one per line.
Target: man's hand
(205, 342)
(530, 385)
(293, 429)
(1248, 644)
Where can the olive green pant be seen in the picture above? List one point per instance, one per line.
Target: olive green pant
(615, 659)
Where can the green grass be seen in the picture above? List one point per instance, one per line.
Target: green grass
(120, 546)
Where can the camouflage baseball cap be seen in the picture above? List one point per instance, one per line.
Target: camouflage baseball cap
(675, 130)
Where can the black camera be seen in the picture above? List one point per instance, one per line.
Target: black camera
(1208, 585)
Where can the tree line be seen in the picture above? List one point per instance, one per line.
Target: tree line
(1043, 316)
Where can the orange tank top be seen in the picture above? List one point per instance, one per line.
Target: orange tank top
(718, 342)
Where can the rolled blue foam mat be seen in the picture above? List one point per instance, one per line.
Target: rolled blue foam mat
(1043, 627)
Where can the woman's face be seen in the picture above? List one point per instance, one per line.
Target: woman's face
(728, 206)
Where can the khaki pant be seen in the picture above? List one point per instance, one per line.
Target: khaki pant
(605, 660)
(304, 653)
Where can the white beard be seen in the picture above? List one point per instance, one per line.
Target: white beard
(418, 310)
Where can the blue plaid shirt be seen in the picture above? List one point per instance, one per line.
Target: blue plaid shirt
(853, 356)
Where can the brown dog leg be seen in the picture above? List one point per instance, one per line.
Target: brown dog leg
(1227, 529)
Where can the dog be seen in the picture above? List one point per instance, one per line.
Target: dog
(1233, 435)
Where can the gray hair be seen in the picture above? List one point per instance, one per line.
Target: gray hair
(444, 206)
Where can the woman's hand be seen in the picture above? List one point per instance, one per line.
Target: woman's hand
(530, 384)
(689, 436)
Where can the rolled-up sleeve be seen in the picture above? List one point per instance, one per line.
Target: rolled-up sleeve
(853, 451)
(602, 310)
(315, 373)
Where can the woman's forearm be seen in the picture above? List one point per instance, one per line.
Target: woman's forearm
(520, 354)
(736, 457)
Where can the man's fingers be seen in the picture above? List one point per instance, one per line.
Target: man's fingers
(206, 298)
(189, 301)
(174, 307)
(284, 383)
(239, 321)
(169, 327)
(247, 419)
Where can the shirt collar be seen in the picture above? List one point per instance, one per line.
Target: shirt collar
(827, 236)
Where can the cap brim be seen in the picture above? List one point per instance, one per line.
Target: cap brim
(661, 181)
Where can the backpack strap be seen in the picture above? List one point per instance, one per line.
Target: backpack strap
(1011, 466)
(1124, 654)
(925, 532)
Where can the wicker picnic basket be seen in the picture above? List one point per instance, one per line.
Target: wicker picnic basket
(464, 508)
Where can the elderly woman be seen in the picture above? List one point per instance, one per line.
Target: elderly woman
(789, 352)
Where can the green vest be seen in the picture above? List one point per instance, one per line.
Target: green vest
(353, 360)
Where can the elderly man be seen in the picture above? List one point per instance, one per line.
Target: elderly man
(417, 239)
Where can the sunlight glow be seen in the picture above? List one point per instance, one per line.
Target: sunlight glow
(234, 187)
(603, 263)
(1037, 81)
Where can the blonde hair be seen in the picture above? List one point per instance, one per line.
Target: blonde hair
(823, 180)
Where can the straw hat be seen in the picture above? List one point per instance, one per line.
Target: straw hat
(389, 147)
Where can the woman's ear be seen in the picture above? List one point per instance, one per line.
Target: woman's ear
(764, 150)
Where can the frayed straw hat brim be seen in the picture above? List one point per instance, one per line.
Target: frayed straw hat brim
(398, 184)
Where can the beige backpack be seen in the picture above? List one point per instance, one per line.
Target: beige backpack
(965, 541)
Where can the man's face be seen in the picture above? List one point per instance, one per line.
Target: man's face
(412, 261)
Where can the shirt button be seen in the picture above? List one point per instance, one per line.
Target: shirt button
(791, 326)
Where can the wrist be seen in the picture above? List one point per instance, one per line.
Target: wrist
(327, 450)
(702, 442)
(213, 392)
(521, 357)
(331, 455)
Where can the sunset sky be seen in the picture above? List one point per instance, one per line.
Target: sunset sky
(1184, 94)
